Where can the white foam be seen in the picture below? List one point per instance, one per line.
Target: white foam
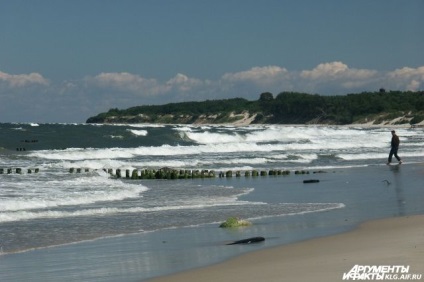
(369, 156)
(246, 161)
(58, 193)
(167, 150)
(252, 145)
(33, 211)
(95, 164)
(26, 215)
(307, 157)
(144, 125)
(214, 138)
(362, 156)
(138, 132)
(83, 154)
(297, 137)
(313, 207)
(183, 128)
(116, 136)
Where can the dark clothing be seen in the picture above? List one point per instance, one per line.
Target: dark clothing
(395, 146)
(393, 151)
(395, 141)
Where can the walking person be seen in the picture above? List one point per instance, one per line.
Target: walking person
(394, 148)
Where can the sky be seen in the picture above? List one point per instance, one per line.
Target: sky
(64, 61)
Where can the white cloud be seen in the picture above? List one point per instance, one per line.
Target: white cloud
(22, 80)
(407, 72)
(337, 77)
(325, 70)
(106, 90)
(184, 83)
(140, 86)
(326, 78)
(336, 70)
(256, 80)
(407, 78)
(414, 85)
(127, 82)
(257, 74)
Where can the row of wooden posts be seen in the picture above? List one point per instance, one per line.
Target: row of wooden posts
(18, 170)
(168, 173)
(185, 174)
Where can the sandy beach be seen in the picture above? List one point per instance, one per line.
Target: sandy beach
(395, 241)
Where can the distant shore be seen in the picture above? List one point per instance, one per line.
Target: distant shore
(247, 119)
(395, 241)
(287, 107)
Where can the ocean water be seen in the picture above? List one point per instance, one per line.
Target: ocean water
(53, 209)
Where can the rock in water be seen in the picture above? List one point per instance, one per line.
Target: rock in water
(248, 241)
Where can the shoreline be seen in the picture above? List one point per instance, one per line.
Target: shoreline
(394, 241)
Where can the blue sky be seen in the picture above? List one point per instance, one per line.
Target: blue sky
(63, 61)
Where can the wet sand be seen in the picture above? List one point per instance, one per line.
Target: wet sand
(393, 241)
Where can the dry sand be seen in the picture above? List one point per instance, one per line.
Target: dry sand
(393, 241)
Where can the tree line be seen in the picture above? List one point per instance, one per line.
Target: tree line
(291, 107)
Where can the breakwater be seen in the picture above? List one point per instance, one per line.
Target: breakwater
(168, 173)
(18, 170)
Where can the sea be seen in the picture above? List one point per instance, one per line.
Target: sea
(59, 224)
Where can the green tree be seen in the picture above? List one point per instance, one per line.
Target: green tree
(266, 96)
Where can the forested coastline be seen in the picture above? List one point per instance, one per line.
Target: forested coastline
(284, 108)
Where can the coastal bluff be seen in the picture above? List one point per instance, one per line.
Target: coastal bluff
(371, 108)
